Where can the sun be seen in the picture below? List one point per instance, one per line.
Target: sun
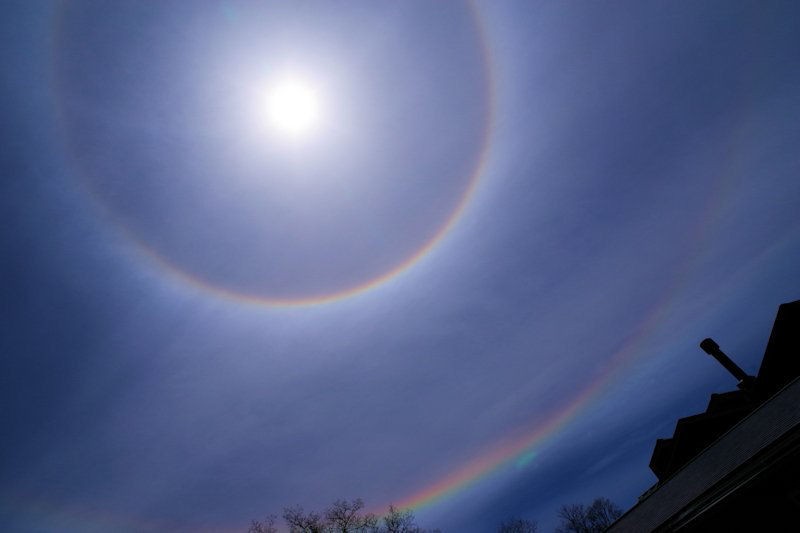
(293, 107)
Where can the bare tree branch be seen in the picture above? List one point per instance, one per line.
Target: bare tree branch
(267, 526)
(596, 518)
(344, 517)
(299, 522)
(518, 525)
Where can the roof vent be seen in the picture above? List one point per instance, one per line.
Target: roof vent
(712, 348)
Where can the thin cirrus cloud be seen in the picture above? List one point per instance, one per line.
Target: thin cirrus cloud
(633, 194)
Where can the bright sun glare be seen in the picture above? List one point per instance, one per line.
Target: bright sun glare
(293, 108)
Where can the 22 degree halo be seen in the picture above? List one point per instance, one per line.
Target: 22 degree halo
(159, 132)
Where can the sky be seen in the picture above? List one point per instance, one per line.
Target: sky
(471, 283)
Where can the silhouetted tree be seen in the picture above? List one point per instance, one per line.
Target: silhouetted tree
(344, 517)
(299, 522)
(397, 521)
(518, 525)
(603, 512)
(267, 526)
(595, 518)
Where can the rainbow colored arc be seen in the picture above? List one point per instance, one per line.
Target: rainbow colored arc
(165, 265)
(520, 450)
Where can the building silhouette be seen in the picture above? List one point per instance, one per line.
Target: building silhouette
(736, 466)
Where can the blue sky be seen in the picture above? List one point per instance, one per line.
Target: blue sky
(531, 214)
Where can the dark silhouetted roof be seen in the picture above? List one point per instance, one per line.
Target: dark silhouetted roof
(737, 465)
